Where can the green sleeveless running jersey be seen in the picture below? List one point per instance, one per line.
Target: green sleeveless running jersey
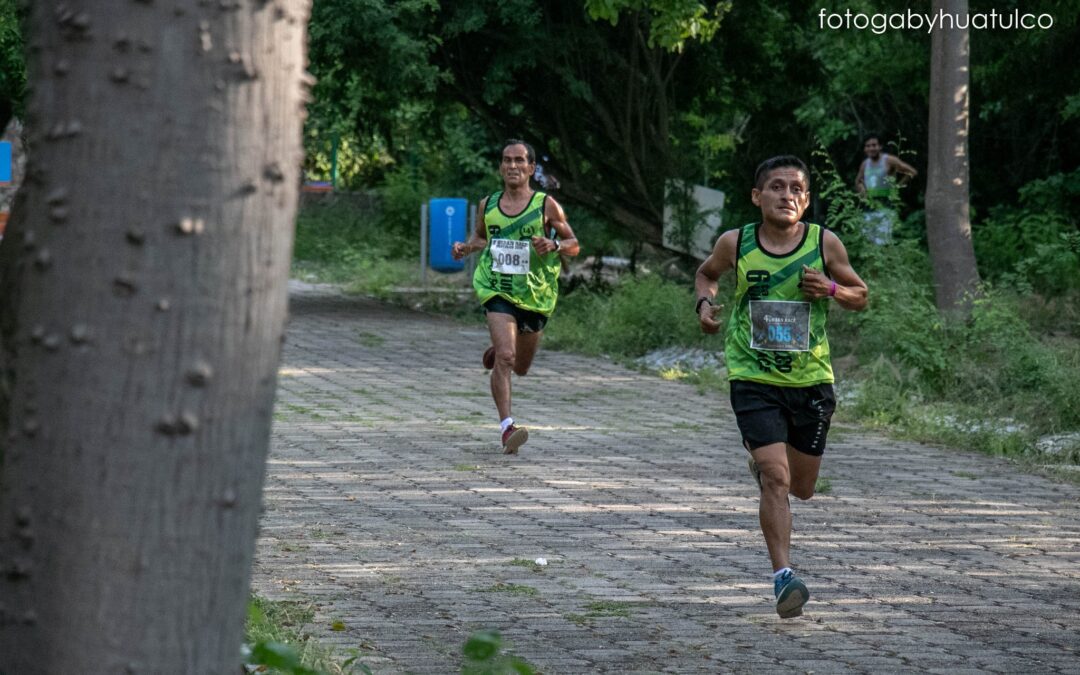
(776, 336)
(509, 266)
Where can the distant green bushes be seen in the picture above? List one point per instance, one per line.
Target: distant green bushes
(343, 241)
(639, 315)
(995, 364)
(1034, 245)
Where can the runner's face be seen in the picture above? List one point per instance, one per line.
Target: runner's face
(516, 167)
(784, 196)
(872, 148)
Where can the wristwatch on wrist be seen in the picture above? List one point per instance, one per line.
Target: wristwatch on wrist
(557, 244)
(704, 298)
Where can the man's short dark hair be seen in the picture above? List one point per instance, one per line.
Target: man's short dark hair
(530, 154)
(874, 135)
(779, 162)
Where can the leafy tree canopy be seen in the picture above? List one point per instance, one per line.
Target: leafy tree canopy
(12, 66)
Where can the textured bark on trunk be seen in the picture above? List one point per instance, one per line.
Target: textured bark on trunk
(948, 222)
(142, 309)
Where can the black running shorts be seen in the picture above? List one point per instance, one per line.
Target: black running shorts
(527, 322)
(798, 416)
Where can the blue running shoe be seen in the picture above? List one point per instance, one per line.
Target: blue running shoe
(791, 595)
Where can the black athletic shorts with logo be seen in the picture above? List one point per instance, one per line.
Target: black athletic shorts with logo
(527, 322)
(798, 416)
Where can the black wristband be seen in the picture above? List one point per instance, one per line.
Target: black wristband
(704, 298)
(557, 244)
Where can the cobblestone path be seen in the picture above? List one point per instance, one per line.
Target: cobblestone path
(390, 507)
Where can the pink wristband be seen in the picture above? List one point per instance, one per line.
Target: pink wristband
(832, 290)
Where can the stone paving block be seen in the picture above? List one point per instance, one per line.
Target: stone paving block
(389, 505)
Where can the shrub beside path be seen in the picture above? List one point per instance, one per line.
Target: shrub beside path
(390, 507)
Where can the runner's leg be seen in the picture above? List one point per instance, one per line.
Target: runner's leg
(774, 512)
(784, 470)
(804, 472)
(527, 344)
(503, 329)
(811, 414)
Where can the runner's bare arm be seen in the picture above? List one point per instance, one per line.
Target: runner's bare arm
(860, 181)
(721, 260)
(555, 218)
(850, 291)
(905, 170)
(478, 239)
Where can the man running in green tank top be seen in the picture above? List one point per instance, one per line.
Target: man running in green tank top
(777, 352)
(520, 232)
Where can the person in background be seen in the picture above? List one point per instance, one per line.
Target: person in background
(880, 174)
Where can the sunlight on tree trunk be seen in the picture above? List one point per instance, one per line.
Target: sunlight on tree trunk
(142, 309)
(948, 222)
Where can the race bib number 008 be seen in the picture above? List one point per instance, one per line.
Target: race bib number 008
(510, 256)
(780, 325)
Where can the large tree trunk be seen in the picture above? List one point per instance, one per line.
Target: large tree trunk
(948, 222)
(142, 310)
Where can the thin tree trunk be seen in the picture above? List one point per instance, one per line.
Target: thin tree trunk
(141, 314)
(948, 222)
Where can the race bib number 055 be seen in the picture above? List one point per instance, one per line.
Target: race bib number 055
(510, 256)
(780, 325)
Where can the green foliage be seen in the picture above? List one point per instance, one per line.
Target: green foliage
(278, 621)
(992, 367)
(273, 631)
(12, 66)
(671, 22)
(903, 321)
(280, 657)
(372, 62)
(823, 486)
(639, 315)
(1071, 108)
(871, 81)
(607, 608)
(360, 240)
(1035, 244)
(916, 363)
(994, 361)
(1019, 93)
(531, 565)
(401, 197)
(483, 656)
(434, 86)
(704, 139)
(343, 158)
(686, 218)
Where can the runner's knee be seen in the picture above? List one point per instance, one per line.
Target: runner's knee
(505, 357)
(521, 369)
(776, 476)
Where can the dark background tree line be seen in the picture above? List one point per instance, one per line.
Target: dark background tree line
(623, 95)
(621, 108)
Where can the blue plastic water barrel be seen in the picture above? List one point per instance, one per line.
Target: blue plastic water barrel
(447, 223)
(5, 162)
